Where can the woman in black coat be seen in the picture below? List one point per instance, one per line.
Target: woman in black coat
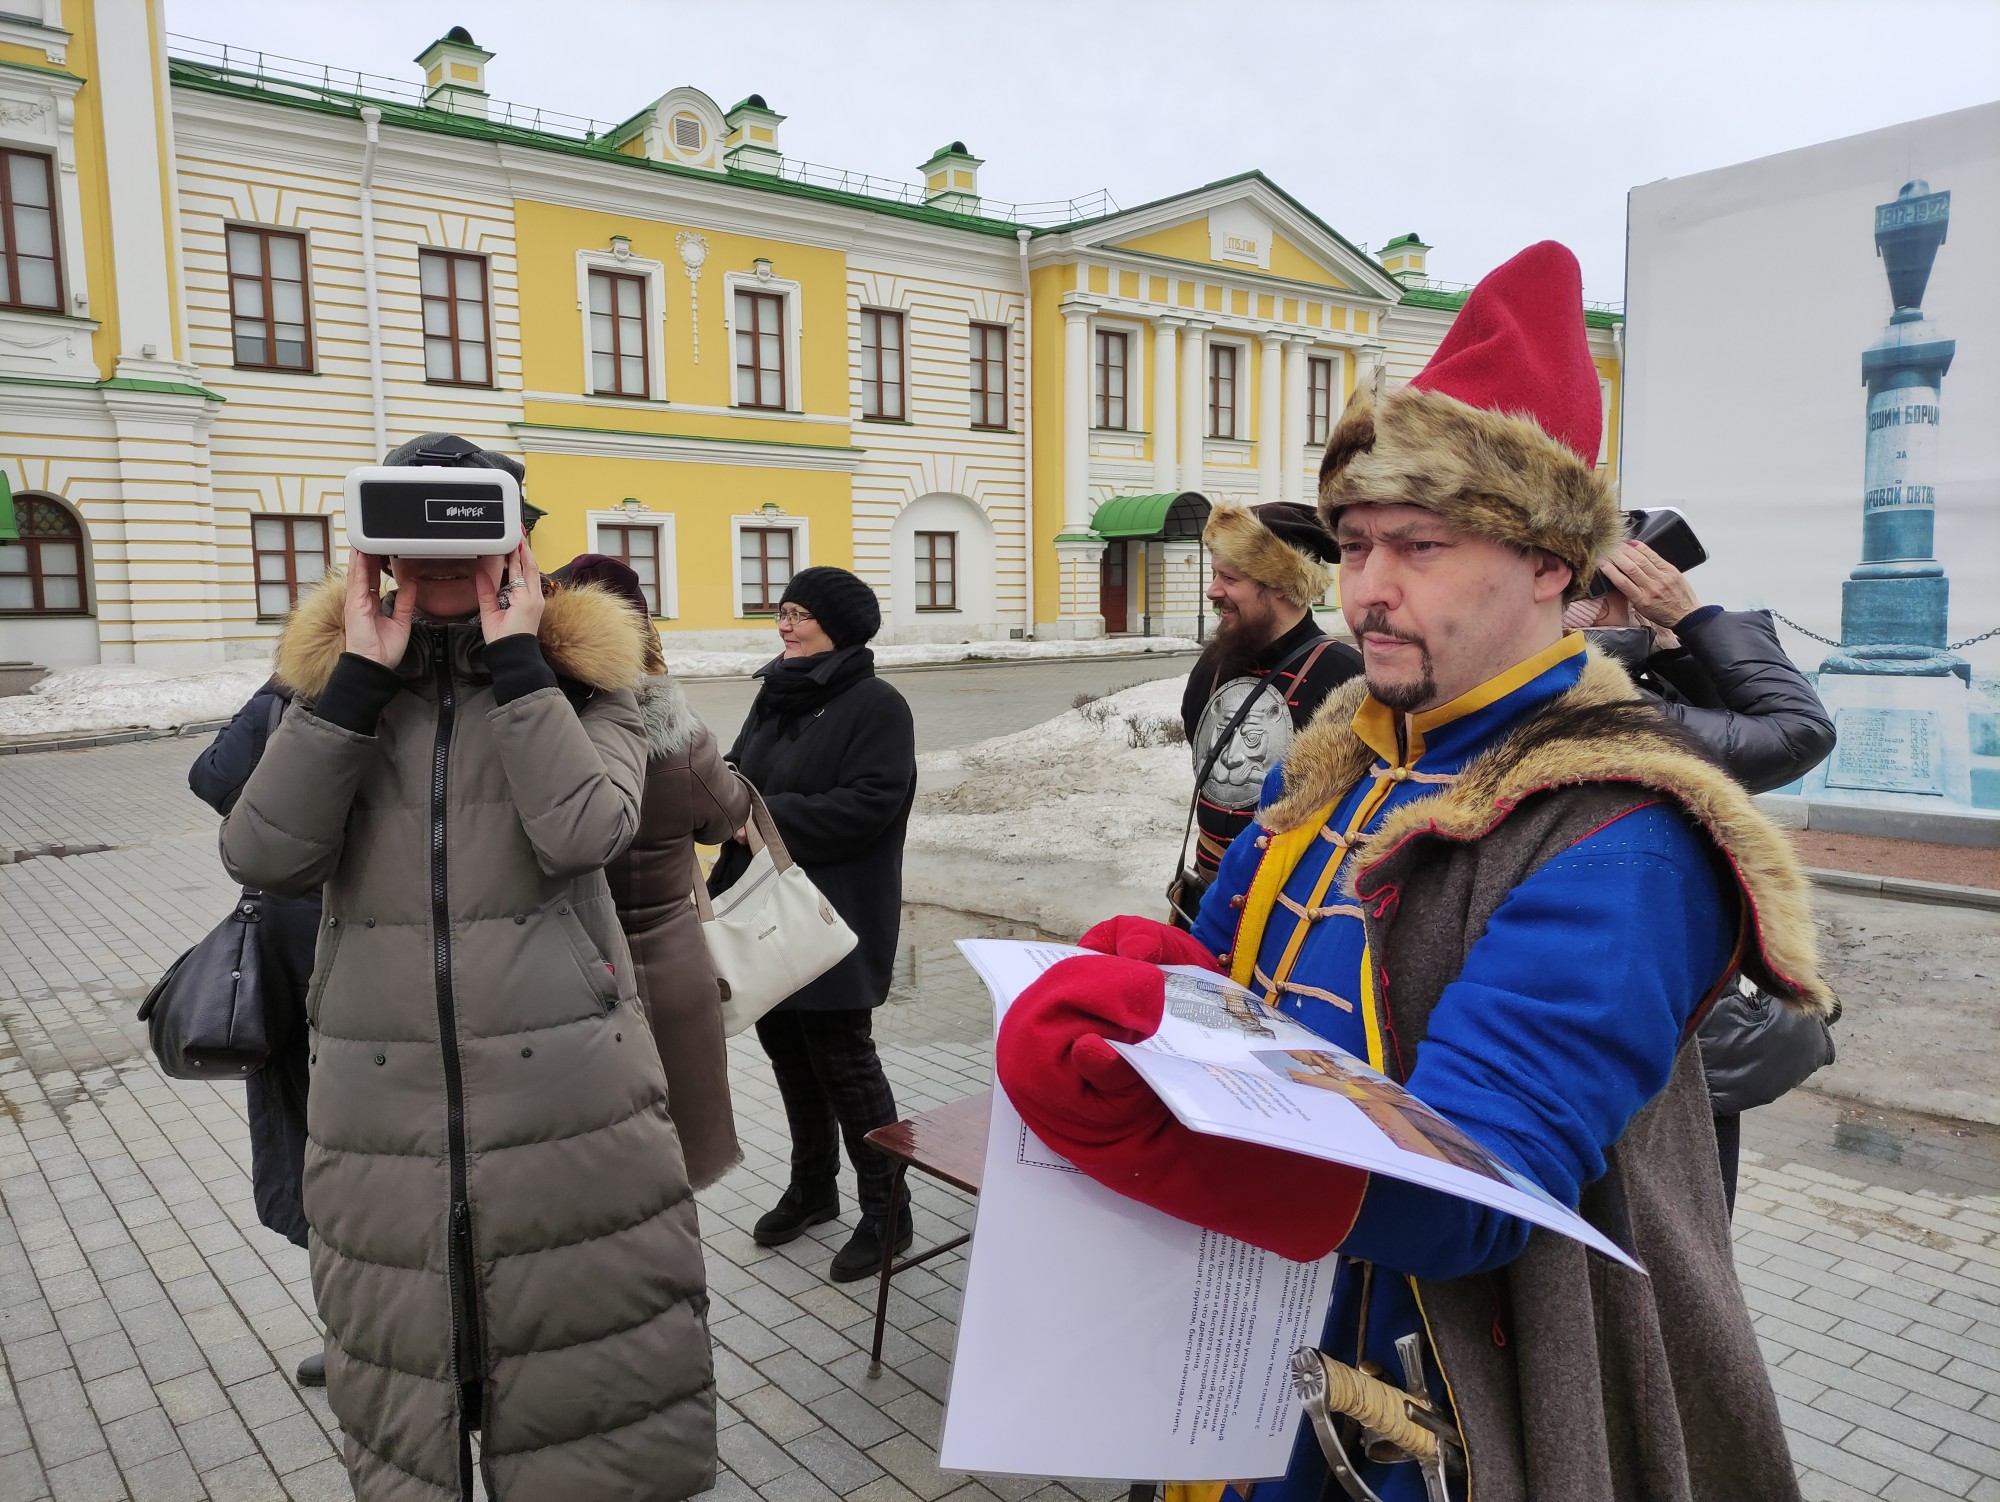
(833, 751)
(1723, 675)
(275, 1094)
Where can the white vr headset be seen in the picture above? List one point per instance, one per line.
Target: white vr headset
(431, 511)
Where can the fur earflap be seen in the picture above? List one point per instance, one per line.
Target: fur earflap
(1492, 473)
(1601, 731)
(671, 723)
(587, 634)
(1246, 546)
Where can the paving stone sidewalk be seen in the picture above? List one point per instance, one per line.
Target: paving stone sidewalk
(148, 1325)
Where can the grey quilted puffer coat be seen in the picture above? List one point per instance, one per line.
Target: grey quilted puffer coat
(503, 1237)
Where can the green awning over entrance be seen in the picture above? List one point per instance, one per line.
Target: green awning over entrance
(1177, 517)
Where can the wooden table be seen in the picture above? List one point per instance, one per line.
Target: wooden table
(949, 1144)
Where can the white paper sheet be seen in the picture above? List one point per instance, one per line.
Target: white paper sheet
(1227, 1065)
(1102, 1339)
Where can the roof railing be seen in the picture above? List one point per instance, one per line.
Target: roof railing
(272, 71)
(1432, 284)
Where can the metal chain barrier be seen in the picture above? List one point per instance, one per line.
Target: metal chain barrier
(1957, 646)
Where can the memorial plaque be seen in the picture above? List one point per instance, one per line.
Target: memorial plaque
(1888, 751)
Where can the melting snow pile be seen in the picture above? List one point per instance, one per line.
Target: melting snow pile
(1106, 783)
(109, 696)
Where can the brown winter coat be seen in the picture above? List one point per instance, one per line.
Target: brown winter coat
(690, 795)
(1609, 1386)
(502, 1231)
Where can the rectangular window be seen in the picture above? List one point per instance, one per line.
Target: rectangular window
(639, 548)
(989, 375)
(1111, 346)
(937, 571)
(618, 334)
(1222, 391)
(1319, 400)
(881, 364)
(766, 556)
(760, 350)
(290, 552)
(269, 297)
(456, 345)
(30, 276)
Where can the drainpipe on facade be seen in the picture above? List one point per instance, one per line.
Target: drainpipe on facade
(371, 118)
(1027, 437)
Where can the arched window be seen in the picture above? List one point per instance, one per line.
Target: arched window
(41, 571)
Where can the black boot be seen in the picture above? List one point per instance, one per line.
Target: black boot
(862, 1256)
(797, 1212)
(312, 1371)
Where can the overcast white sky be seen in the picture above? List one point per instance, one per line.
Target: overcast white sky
(1480, 126)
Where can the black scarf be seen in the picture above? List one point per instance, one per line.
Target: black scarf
(793, 687)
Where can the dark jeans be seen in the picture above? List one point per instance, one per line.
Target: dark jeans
(1729, 1143)
(833, 1087)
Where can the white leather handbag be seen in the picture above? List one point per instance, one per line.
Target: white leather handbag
(772, 932)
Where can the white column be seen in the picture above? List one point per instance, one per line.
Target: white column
(1076, 417)
(1368, 364)
(1292, 482)
(129, 79)
(1166, 458)
(1270, 414)
(1194, 402)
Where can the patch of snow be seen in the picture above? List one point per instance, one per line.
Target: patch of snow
(116, 696)
(1103, 785)
(697, 664)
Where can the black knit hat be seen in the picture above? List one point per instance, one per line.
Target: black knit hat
(845, 608)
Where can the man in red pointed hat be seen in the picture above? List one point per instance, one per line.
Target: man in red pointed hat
(1498, 875)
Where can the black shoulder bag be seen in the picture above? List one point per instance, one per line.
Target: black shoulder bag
(206, 1016)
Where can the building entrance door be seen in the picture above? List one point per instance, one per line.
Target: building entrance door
(1112, 601)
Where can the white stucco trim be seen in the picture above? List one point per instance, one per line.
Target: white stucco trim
(1136, 354)
(537, 439)
(667, 548)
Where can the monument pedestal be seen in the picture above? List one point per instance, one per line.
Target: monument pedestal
(1903, 742)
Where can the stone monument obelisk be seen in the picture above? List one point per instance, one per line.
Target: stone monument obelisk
(1899, 700)
(1893, 606)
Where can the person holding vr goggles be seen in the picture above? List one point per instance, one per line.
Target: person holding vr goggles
(1722, 675)
(503, 1235)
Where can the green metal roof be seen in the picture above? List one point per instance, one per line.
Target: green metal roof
(1179, 514)
(1451, 302)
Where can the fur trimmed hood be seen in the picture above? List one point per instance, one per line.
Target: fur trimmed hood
(1601, 731)
(1240, 539)
(671, 723)
(1493, 473)
(587, 634)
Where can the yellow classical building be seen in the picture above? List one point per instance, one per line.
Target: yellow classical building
(229, 279)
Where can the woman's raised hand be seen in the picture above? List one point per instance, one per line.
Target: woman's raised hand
(372, 632)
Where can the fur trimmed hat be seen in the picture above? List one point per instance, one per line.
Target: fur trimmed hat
(1498, 434)
(1281, 545)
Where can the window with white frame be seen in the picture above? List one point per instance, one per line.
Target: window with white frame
(644, 542)
(290, 554)
(937, 571)
(42, 568)
(1223, 363)
(618, 353)
(30, 267)
(452, 288)
(769, 549)
(760, 350)
(989, 375)
(882, 365)
(1112, 367)
(1319, 399)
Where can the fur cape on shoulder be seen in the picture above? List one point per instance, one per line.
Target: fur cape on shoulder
(1600, 731)
(587, 634)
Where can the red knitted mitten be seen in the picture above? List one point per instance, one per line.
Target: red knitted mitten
(1055, 1061)
(1150, 940)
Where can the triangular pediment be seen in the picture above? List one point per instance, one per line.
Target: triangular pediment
(1245, 223)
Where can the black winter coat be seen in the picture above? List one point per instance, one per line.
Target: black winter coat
(276, 1094)
(839, 778)
(1737, 692)
(1733, 686)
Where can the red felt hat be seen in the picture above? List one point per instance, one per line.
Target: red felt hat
(1518, 346)
(1499, 432)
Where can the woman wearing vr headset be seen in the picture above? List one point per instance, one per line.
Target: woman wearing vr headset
(1724, 677)
(504, 1239)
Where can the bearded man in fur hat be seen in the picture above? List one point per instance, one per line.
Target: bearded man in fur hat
(1501, 877)
(1263, 676)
